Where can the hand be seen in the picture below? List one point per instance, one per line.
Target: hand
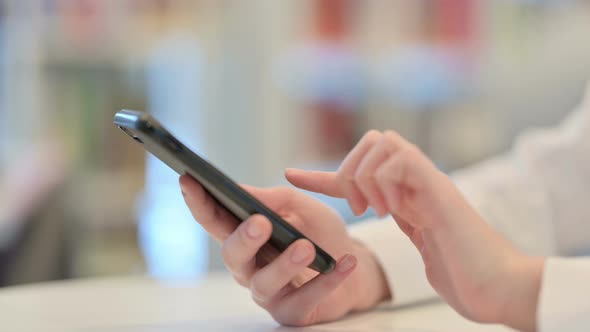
(282, 283)
(472, 267)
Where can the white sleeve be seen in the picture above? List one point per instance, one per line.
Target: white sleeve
(564, 302)
(537, 196)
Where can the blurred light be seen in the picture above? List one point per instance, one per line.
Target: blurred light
(422, 77)
(175, 246)
(327, 72)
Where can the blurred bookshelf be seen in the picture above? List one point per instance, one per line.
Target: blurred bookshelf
(67, 66)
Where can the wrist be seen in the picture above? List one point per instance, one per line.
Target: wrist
(522, 294)
(369, 279)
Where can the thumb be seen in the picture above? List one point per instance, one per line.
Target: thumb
(274, 198)
(320, 182)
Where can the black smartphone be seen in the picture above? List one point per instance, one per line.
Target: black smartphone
(146, 130)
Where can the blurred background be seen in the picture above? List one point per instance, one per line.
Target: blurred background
(255, 86)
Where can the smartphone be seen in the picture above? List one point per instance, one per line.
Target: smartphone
(146, 130)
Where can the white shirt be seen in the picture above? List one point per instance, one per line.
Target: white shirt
(538, 196)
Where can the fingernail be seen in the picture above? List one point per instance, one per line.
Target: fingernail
(300, 254)
(253, 230)
(357, 209)
(353, 207)
(346, 264)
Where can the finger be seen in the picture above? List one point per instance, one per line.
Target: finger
(366, 173)
(399, 178)
(327, 183)
(387, 165)
(389, 178)
(320, 182)
(271, 279)
(300, 306)
(275, 198)
(349, 166)
(240, 248)
(214, 218)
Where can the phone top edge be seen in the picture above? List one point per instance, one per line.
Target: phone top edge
(131, 119)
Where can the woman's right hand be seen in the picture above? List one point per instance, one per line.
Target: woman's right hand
(282, 283)
(474, 269)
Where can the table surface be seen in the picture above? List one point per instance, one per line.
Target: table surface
(215, 303)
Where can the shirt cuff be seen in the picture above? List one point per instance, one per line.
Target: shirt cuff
(564, 301)
(399, 259)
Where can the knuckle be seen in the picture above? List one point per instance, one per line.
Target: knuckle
(389, 171)
(344, 178)
(292, 318)
(331, 283)
(391, 135)
(226, 254)
(261, 302)
(362, 177)
(372, 135)
(381, 174)
(285, 265)
(389, 179)
(284, 191)
(240, 280)
(408, 152)
(391, 142)
(258, 290)
(413, 149)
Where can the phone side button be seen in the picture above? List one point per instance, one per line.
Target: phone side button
(174, 145)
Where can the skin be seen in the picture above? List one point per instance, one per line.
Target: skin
(478, 272)
(282, 284)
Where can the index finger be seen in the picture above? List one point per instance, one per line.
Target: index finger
(320, 182)
(214, 218)
(329, 183)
